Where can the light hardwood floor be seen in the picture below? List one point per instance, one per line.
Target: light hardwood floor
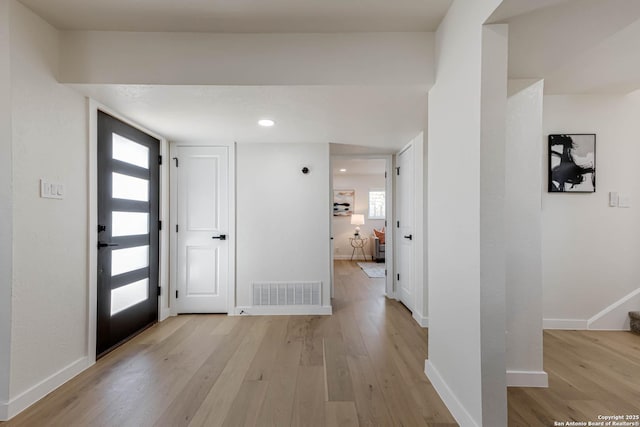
(590, 373)
(362, 366)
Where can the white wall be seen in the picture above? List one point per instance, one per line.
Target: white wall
(49, 127)
(342, 228)
(523, 226)
(492, 227)
(254, 59)
(6, 211)
(282, 216)
(455, 366)
(590, 251)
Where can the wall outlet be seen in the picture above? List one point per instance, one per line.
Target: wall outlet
(51, 190)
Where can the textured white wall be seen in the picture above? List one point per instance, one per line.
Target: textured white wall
(282, 216)
(50, 236)
(6, 211)
(254, 59)
(342, 228)
(523, 224)
(453, 210)
(590, 251)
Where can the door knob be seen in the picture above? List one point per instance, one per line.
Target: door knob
(105, 245)
(220, 237)
(410, 237)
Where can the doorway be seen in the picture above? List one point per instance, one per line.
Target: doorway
(405, 222)
(128, 232)
(202, 229)
(362, 215)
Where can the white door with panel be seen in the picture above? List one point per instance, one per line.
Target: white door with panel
(202, 229)
(405, 226)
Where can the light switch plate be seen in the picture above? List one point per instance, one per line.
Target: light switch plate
(613, 199)
(624, 200)
(51, 190)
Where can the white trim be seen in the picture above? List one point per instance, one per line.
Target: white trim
(616, 305)
(231, 180)
(450, 400)
(163, 269)
(173, 214)
(422, 320)
(565, 324)
(44, 387)
(92, 316)
(92, 268)
(288, 310)
(527, 379)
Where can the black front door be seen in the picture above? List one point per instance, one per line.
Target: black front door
(128, 199)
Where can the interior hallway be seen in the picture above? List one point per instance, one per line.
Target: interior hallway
(362, 366)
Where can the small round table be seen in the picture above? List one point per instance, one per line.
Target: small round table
(358, 243)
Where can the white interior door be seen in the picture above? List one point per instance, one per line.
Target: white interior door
(203, 230)
(405, 215)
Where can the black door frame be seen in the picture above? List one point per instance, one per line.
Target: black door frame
(126, 324)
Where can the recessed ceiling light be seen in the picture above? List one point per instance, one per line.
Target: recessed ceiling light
(266, 122)
(343, 170)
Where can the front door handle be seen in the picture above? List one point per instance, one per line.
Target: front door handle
(220, 237)
(106, 245)
(410, 237)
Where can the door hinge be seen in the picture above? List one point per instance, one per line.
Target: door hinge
(398, 224)
(159, 225)
(398, 276)
(385, 222)
(176, 294)
(159, 291)
(398, 171)
(159, 160)
(176, 228)
(385, 174)
(385, 273)
(176, 159)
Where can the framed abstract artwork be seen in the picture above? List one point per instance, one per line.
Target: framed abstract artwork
(572, 163)
(343, 202)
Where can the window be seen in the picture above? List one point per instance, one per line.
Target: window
(376, 204)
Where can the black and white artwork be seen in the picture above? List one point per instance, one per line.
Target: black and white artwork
(343, 202)
(572, 163)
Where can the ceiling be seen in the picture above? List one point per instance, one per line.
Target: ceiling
(577, 46)
(385, 117)
(243, 16)
(355, 166)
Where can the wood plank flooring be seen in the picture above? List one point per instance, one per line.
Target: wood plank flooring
(362, 366)
(591, 373)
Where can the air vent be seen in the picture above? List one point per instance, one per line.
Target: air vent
(287, 293)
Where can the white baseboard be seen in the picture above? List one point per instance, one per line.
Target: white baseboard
(527, 379)
(422, 321)
(4, 411)
(450, 400)
(565, 324)
(46, 386)
(284, 310)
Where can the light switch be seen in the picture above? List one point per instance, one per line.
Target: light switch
(51, 190)
(624, 200)
(613, 199)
